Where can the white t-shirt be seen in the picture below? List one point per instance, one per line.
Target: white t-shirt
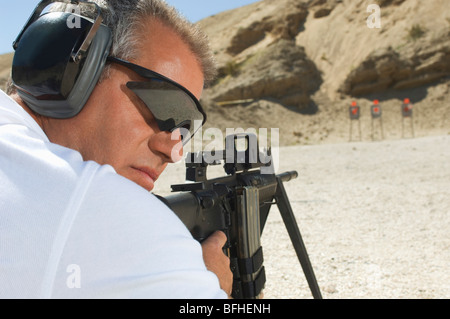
(75, 229)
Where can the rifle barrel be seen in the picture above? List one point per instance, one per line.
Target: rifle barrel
(287, 176)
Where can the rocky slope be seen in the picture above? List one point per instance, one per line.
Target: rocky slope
(285, 60)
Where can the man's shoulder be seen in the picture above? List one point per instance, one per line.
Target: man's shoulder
(110, 193)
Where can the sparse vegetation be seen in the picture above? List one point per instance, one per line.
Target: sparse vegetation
(416, 32)
(231, 68)
(325, 58)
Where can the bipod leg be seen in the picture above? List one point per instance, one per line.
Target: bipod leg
(403, 127)
(360, 134)
(351, 130)
(373, 135)
(294, 233)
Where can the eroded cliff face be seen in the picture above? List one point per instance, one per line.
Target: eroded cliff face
(281, 59)
(411, 66)
(258, 57)
(410, 49)
(280, 71)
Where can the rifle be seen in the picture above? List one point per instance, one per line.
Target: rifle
(238, 204)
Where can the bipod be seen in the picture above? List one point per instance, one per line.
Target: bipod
(296, 238)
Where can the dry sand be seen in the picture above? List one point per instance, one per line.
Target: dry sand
(374, 216)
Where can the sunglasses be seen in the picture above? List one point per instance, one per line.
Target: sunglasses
(171, 104)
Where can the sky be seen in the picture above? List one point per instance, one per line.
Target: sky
(15, 13)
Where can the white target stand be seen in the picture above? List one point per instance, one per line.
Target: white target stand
(355, 116)
(407, 115)
(377, 117)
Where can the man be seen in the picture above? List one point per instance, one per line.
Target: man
(76, 216)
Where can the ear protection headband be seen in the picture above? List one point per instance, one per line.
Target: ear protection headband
(59, 57)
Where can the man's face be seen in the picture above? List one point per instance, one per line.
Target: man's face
(116, 128)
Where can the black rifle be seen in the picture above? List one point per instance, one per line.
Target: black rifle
(239, 204)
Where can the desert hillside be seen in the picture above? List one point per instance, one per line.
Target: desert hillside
(297, 65)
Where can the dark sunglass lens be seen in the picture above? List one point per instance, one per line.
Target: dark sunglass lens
(172, 107)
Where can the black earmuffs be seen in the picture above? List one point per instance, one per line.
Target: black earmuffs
(59, 57)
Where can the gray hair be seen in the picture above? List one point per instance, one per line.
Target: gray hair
(125, 19)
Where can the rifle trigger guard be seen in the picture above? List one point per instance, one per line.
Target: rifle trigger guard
(273, 202)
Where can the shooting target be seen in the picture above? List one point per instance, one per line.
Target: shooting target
(355, 112)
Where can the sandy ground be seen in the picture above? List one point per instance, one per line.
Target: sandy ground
(374, 216)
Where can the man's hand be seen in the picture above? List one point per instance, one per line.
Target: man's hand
(216, 261)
